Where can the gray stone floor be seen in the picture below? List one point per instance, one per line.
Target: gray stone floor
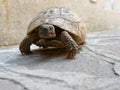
(96, 67)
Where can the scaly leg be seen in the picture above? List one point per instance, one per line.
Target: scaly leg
(70, 45)
(26, 43)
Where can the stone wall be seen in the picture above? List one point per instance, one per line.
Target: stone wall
(15, 15)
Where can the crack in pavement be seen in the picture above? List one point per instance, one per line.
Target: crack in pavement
(46, 80)
(15, 82)
(110, 58)
(115, 71)
(91, 50)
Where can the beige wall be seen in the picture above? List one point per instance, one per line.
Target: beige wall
(15, 15)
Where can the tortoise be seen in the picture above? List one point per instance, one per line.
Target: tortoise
(55, 27)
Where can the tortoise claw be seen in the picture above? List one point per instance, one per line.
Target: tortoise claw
(26, 52)
(72, 53)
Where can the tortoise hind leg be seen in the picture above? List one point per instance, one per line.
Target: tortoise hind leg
(70, 45)
(26, 43)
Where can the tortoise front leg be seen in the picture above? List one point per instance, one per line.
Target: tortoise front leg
(70, 45)
(26, 43)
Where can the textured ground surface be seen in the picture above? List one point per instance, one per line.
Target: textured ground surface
(96, 67)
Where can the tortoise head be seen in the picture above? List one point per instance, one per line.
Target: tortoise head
(47, 31)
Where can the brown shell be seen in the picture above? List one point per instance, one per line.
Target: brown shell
(63, 18)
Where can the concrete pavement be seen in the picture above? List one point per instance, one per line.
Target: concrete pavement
(96, 67)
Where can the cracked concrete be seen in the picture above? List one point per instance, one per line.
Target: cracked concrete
(96, 67)
(9, 84)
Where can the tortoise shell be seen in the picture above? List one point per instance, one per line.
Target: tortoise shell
(63, 18)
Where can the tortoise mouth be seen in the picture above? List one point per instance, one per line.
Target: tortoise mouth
(48, 36)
